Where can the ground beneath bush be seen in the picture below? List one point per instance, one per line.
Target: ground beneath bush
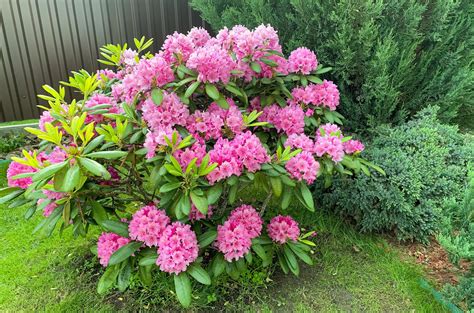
(352, 273)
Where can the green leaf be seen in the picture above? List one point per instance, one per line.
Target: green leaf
(218, 265)
(199, 274)
(94, 167)
(207, 238)
(222, 102)
(191, 89)
(255, 67)
(117, 227)
(276, 184)
(94, 144)
(212, 92)
(7, 190)
(291, 259)
(307, 197)
(98, 212)
(269, 62)
(48, 172)
(200, 202)
(107, 280)
(214, 193)
(124, 252)
(183, 289)
(109, 155)
(123, 279)
(322, 70)
(283, 263)
(73, 176)
(157, 96)
(170, 186)
(260, 251)
(314, 79)
(300, 253)
(148, 260)
(145, 274)
(234, 90)
(12, 195)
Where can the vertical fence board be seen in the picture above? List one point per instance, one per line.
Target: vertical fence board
(43, 40)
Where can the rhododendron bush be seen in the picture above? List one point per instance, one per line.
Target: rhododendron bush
(156, 151)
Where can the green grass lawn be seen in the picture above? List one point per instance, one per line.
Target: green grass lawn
(352, 272)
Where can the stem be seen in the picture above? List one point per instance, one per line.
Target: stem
(265, 203)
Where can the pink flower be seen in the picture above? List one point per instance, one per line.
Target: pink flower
(148, 224)
(154, 139)
(212, 63)
(100, 99)
(303, 166)
(128, 57)
(45, 118)
(232, 117)
(107, 244)
(171, 112)
(245, 151)
(196, 215)
(16, 168)
(302, 142)
(106, 73)
(233, 240)
(289, 119)
(205, 124)
(197, 150)
(177, 249)
(199, 36)
(177, 45)
(302, 60)
(321, 95)
(353, 146)
(329, 142)
(283, 228)
(247, 216)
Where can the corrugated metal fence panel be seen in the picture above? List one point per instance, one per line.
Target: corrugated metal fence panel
(43, 40)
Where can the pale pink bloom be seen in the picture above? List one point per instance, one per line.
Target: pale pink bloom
(302, 60)
(177, 45)
(353, 146)
(199, 36)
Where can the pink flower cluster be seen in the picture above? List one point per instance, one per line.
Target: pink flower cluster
(128, 57)
(146, 74)
(303, 166)
(245, 151)
(283, 228)
(197, 150)
(212, 63)
(15, 168)
(322, 95)
(107, 244)
(156, 138)
(199, 36)
(301, 141)
(234, 238)
(329, 142)
(148, 224)
(289, 119)
(177, 249)
(353, 146)
(302, 60)
(171, 112)
(177, 48)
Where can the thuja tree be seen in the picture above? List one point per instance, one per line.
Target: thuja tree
(156, 151)
(391, 57)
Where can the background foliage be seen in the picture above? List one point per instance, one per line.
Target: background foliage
(391, 58)
(425, 161)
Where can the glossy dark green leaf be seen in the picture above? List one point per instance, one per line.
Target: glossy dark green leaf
(199, 274)
(183, 289)
(124, 252)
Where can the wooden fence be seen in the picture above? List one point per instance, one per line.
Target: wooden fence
(41, 41)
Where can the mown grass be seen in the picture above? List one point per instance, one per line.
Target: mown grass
(352, 272)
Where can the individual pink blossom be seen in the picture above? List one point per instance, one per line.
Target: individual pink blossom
(353, 146)
(249, 218)
(107, 74)
(212, 63)
(16, 168)
(303, 166)
(171, 112)
(148, 225)
(177, 48)
(107, 244)
(205, 124)
(283, 228)
(300, 141)
(57, 155)
(329, 142)
(178, 247)
(302, 60)
(329, 130)
(196, 215)
(233, 240)
(199, 36)
(232, 117)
